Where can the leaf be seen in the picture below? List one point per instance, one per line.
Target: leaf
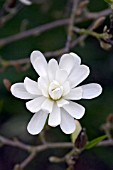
(109, 1)
(94, 142)
(75, 134)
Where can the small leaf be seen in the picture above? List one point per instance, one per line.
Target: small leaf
(75, 134)
(94, 142)
(109, 1)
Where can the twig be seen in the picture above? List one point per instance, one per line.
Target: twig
(28, 160)
(16, 63)
(11, 12)
(93, 25)
(71, 24)
(108, 142)
(33, 32)
(43, 28)
(89, 32)
(30, 148)
(94, 15)
(14, 143)
(34, 150)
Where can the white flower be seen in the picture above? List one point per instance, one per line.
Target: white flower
(54, 90)
(26, 2)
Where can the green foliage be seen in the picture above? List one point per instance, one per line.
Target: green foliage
(109, 1)
(94, 142)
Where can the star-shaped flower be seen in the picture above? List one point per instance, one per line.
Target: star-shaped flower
(53, 91)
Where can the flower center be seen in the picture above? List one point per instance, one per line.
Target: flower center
(55, 90)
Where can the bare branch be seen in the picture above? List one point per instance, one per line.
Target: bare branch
(28, 160)
(43, 28)
(33, 32)
(71, 24)
(106, 143)
(30, 148)
(14, 143)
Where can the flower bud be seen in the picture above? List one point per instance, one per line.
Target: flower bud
(81, 139)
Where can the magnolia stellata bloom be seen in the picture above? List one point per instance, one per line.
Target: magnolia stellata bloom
(26, 2)
(52, 93)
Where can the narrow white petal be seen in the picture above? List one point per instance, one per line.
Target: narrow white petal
(77, 59)
(67, 124)
(62, 102)
(32, 86)
(47, 105)
(43, 85)
(35, 104)
(19, 91)
(37, 122)
(61, 76)
(91, 90)
(75, 110)
(52, 68)
(74, 94)
(39, 63)
(66, 88)
(66, 62)
(55, 116)
(78, 74)
(26, 2)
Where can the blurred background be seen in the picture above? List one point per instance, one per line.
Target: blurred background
(13, 115)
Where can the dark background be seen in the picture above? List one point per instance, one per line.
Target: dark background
(13, 114)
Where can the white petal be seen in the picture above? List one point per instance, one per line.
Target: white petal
(74, 94)
(32, 86)
(55, 116)
(19, 91)
(78, 75)
(37, 122)
(35, 104)
(77, 59)
(61, 76)
(67, 122)
(66, 62)
(39, 63)
(26, 2)
(52, 68)
(91, 90)
(43, 84)
(66, 88)
(47, 105)
(75, 110)
(62, 102)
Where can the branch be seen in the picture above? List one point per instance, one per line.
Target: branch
(71, 24)
(25, 162)
(34, 150)
(30, 148)
(17, 63)
(94, 15)
(108, 142)
(43, 28)
(33, 32)
(12, 9)
(14, 143)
